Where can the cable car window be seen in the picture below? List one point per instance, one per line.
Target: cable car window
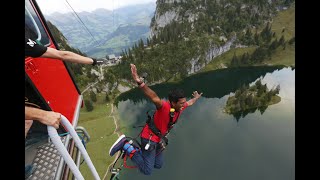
(33, 27)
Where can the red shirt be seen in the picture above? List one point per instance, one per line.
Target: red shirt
(161, 120)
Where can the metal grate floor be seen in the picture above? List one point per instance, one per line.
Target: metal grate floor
(47, 161)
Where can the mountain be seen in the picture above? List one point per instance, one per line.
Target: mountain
(103, 32)
(122, 38)
(187, 35)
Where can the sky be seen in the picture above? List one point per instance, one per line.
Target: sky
(62, 6)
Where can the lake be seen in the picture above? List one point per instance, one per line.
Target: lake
(207, 143)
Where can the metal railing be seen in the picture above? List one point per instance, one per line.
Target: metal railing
(55, 138)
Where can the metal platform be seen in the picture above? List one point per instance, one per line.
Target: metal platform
(46, 161)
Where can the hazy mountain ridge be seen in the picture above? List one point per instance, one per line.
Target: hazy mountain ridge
(93, 32)
(122, 38)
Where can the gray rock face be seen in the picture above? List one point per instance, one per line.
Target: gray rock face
(212, 53)
(122, 88)
(162, 20)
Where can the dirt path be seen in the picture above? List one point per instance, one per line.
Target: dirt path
(114, 132)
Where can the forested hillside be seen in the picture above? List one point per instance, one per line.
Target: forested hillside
(187, 35)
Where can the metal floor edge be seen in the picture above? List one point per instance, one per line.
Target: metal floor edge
(46, 162)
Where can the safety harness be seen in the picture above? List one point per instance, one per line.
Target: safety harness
(164, 141)
(156, 131)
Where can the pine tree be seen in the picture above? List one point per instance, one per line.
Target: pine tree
(258, 84)
(234, 60)
(148, 42)
(88, 104)
(292, 40)
(274, 44)
(93, 96)
(257, 39)
(107, 97)
(281, 40)
(141, 44)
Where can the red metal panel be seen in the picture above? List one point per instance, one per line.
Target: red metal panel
(53, 81)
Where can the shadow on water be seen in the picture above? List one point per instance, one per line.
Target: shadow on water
(247, 99)
(242, 114)
(214, 84)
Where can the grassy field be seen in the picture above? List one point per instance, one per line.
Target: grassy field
(100, 128)
(283, 57)
(284, 20)
(284, 24)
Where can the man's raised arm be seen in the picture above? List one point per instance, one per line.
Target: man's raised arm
(196, 96)
(146, 90)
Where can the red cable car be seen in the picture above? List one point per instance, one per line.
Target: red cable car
(50, 85)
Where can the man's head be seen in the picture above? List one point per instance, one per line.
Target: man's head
(177, 99)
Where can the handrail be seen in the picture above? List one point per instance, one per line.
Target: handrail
(55, 138)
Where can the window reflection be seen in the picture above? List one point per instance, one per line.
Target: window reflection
(33, 27)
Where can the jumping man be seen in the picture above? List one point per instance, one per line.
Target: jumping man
(153, 136)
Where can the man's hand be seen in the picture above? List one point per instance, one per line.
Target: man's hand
(146, 90)
(97, 61)
(134, 73)
(51, 118)
(195, 94)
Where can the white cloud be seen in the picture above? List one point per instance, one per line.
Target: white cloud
(62, 6)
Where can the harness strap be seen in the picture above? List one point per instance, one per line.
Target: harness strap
(125, 162)
(171, 123)
(156, 131)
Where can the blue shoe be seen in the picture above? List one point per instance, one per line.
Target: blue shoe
(118, 145)
(28, 170)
